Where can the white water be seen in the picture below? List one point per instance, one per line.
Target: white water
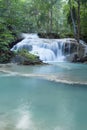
(46, 49)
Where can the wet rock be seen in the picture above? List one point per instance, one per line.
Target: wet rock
(49, 35)
(18, 39)
(72, 57)
(22, 60)
(82, 59)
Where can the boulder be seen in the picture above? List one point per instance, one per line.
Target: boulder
(25, 58)
(82, 59)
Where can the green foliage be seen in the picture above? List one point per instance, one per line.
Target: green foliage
(27, 55)
(35, 16)
(18, 16)
(83, 16)
(6, 37)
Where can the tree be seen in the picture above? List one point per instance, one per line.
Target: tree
(73, 20)
(76, 11)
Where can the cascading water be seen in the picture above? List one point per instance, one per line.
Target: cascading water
(46, 49)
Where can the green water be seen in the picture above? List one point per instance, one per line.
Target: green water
(50, 97)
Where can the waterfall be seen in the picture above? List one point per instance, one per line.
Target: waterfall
(46, 49)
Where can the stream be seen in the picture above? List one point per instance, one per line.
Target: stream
(43, 97)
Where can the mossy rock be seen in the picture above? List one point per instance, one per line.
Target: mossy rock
(25, 58)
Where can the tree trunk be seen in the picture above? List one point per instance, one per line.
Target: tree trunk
(51, 19)
(78, 21)
(73, 21)
(53, 2)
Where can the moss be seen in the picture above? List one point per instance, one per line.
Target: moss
(23, 57)
(27, 55)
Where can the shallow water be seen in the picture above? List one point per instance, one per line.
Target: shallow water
(59, 72)
(50, 97)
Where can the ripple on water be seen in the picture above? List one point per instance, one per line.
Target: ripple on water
(53, 107)
(50, 77)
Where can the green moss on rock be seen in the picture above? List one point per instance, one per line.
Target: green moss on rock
(25, 58)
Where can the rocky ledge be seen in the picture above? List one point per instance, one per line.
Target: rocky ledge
(49, 35)
(78, 51)
(77, 59)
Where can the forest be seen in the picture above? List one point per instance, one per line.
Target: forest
(67, 18)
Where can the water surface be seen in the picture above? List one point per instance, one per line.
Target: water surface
(36, 97)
